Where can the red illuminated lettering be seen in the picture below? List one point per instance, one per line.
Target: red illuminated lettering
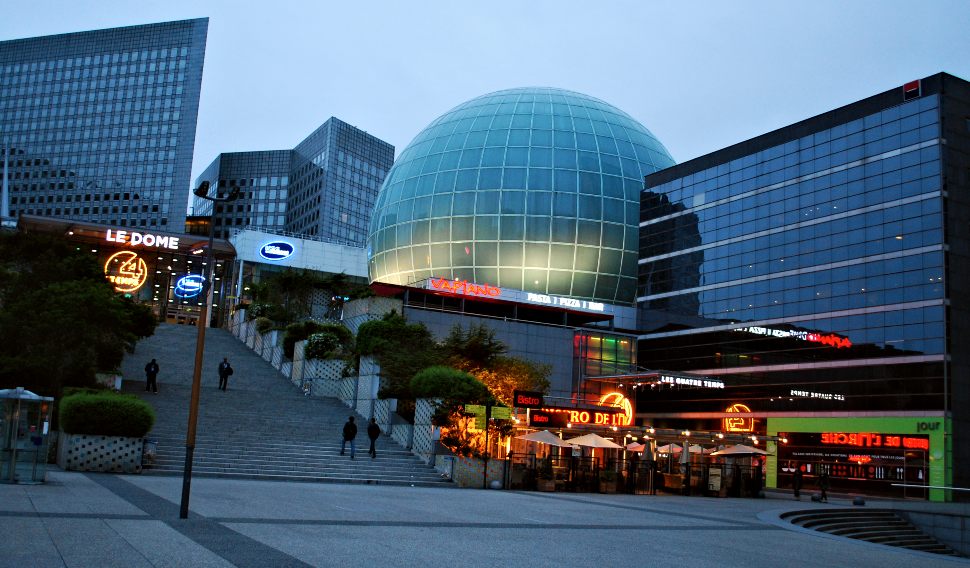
(459, 287)
(916, 443)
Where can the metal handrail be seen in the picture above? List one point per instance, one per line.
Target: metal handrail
(931, 486)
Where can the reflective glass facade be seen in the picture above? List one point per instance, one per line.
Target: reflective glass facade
(263, 182)
(324, 188)
(820, 267)
(101, 124)
(534, 189)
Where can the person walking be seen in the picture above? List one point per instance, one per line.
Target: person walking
(373, 432)
(796, 482)
(823, 486)
(151, 372)
(350, 432)
(225, 370)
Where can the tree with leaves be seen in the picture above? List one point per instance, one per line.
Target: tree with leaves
(60, 320)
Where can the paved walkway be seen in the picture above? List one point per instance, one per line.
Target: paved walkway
(103, 520)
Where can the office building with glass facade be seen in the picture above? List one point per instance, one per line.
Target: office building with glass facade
(324, 188)
(532, 189)
(820, 271)
(100, 125)
(263, 182)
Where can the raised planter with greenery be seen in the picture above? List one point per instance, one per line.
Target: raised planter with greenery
(102, 431)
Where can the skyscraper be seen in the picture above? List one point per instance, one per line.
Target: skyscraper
(323, 188)
(820, 271)
(100, 125)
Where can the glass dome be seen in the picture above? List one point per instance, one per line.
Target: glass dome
(535, 189)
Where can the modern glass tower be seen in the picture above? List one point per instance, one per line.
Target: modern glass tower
(534, 189)
(100, 125)
(323, 188)
(820, 271)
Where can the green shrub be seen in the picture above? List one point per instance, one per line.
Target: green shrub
(322, 345)
(447, 383)
(105, 414)
(304, 329)
(263, 325)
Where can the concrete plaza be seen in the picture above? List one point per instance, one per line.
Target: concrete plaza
(103, 520)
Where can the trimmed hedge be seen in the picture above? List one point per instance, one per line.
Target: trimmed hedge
(304, 329)
(322, 345)
(105, 414)
(448, 383)
(263, 325)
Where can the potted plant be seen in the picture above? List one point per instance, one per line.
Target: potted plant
(544, 477)
(607, 481)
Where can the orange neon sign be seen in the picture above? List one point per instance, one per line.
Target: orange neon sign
(738, 423)
(126, 270)
(464, 287)
(617, 400)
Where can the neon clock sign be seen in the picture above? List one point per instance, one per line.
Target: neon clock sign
(738, 423)
(617, 400)
(126, 270)
(189, 286)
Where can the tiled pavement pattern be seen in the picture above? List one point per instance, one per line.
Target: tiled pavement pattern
(103, 520)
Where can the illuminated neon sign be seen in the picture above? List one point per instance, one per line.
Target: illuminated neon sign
(126, 270)
(830, 339)
(277, 250)
(691, 382)
(135, 238)
(464, 287)
(574, 416)
(189, 286)
(566, 302)
(738, 423)
(617, 400)
(819, 395)
(871, 440)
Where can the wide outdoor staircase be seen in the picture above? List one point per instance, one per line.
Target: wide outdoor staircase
(262, 427)
(880, 526)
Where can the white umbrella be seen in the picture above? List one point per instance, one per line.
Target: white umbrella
(635, 447)
(669, 449)
(739, 450)
(594, 441)
(544, 437)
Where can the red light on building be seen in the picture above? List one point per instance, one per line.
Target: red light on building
(911, 90)
(464, 287)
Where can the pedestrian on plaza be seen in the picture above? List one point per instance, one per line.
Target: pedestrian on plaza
(823, 486)
(373, 432)
(350, 432)
(151, 372)
(796, 482)
(225, 370)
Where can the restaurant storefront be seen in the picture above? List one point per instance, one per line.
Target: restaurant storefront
(158, 269)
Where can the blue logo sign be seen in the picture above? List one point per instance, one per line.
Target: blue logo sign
(276, 250)
(189, 286)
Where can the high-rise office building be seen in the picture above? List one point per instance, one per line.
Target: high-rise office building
(820, 271)
(263, 181)
(100, 125)
(323, 188)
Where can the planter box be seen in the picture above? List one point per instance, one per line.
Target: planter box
(88, 452)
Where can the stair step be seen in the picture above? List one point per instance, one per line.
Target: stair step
(262, 428)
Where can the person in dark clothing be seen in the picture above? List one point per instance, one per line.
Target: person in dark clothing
(350, 432)
(373, 432)
(151, 372)
(796, 482)
(823, 486)
(225, 370)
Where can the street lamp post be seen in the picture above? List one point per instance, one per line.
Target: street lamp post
(202, 192)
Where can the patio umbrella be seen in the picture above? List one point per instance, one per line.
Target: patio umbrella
(669, 449)
(544, 437)
(594, 441)
(635, 447)
(739, 450)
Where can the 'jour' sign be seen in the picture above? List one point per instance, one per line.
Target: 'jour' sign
(142, 239)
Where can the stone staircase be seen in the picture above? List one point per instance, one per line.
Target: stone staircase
(880, 526)
(262, 427)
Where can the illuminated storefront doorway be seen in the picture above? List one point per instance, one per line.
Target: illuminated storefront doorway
(161, 270)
